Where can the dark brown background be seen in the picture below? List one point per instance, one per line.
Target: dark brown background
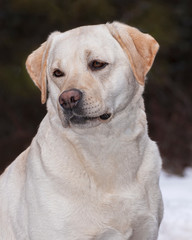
(24, 25)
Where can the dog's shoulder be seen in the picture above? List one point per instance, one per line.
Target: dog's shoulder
(14, 174)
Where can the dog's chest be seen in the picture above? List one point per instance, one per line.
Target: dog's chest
(82, 212)
(84, 190)
(85, 213)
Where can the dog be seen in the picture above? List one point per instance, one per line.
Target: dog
(91, 172)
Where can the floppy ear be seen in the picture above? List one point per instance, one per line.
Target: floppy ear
(36, 65)
(140, 48)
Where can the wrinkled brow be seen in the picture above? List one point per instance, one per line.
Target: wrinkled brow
(88, 53)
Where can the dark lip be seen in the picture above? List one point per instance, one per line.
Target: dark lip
(83, 119)
(105, 116)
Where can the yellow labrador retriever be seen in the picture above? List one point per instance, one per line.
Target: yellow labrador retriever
(91, 172)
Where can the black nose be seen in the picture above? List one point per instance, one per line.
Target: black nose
(70, 98)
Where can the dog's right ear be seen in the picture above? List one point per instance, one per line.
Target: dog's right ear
(36, 65)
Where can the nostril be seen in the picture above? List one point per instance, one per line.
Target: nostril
(73, 99)
(61, 100)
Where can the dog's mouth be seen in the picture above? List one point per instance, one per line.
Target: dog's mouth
(74, 119)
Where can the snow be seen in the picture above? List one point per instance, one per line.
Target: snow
(177, 197)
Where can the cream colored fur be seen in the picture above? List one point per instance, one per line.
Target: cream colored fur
(93, 181)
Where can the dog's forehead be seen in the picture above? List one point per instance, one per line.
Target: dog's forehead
(93, 39)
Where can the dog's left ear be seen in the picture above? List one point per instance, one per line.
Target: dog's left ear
(36, 65)
(140, 48)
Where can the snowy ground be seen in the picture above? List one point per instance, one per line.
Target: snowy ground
(177, 196)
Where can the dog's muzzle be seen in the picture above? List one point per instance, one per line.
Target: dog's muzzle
(71, 102)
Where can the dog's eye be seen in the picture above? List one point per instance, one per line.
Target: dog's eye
(58, 73)
(97, 65)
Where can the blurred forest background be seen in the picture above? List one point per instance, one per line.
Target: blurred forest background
(25, 24)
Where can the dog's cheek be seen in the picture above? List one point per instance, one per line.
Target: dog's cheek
(122, 88)
(117, 93)
(53, 91)
(53, 102)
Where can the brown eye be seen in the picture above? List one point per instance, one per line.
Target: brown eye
(97, 65)
(58, 73)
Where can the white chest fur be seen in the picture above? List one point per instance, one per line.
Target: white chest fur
(85, 182)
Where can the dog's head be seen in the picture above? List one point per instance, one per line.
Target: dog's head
(92, 72)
